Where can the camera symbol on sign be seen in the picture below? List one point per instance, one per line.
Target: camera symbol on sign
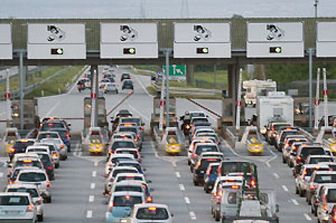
(274, 32)
(128, 33)
(201, 33)
(55, 33)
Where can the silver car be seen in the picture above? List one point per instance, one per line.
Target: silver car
(17, 207)
(60, 146)
(34, 193)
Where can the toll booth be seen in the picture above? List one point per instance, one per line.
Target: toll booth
(31, 119)
(102, 120)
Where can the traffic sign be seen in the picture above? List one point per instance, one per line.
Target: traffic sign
(278, 40)
(131, 40)
(202, 40)
(176, 71)
(326, 39)
(56, 41)
(6, 46)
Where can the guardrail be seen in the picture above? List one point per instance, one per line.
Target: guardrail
(193, 91)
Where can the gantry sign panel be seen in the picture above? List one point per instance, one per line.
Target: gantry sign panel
(128, 40)
(326, 39)
(202, 40)
(275, 40)
(6, 45)
(56, 41)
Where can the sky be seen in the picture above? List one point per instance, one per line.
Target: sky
(154, 9)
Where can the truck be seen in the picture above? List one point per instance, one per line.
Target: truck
(275, 106)
(254, 88)
(31, 119)
(155, 116)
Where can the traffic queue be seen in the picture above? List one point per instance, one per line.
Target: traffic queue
(232, 183)
(312, 164)
(126, 185)
(31, 170)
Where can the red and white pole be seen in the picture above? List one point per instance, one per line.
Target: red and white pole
(8, 97)
(317, 99)
(162, 103)
(325, 97)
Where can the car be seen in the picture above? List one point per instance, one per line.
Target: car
(19, 146)
(38, 178)
(132, 163)
(302, 179)
(303, 152)
(64, 136)
(47, 164)
(50, 123)
(319, 177)
(129, 176)
(153, 212)
(134, 152)
(132, 128)
(200, 168)
(54, 153)
(110, 88)
(127, 84)
(135, 186)
(314, 159)
(113, 174)
(199, 149)
(25, 160)
(47, 134)
(120, 143)
(283, 133)
(286, 150)
(273, 131)
(125, 76)
(17, 207)
(137, 120)
(115, 159)
(292, 153)
(44, 148)
(193, 144)
(210, 177)
(60, 146)
(227, 167)
(34, 194)
(121, 204)
(327, 198)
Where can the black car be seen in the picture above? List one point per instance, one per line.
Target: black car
(20, 146)
(125, 76)
(201, 167)
(127, 84)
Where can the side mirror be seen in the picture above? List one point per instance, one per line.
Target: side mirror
(69, 125)
(149, 181)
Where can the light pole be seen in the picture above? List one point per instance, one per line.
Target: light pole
(315, 5)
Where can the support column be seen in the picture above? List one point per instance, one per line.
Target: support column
(190, 74)
(233, 74)
(22, 86)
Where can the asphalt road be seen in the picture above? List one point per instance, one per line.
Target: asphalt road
(77, 190)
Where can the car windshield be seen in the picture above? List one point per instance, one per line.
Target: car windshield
(152, 213)
(52, 125)
(33, 192)
(134, 153)
(131, 120)
(128, 129)
(331, 197)
(325, 178)
(206, 148)
(47, 135)
(205, 162)
(312, 151)
(279, 126)
(22, 145)
(123, 144)
(316, 160)
(310, 171)
(44, 158)
(122, 178)
(236, 167)
(118, 159)
(32, 177)
(128, 188)
(128, 201)
(136, 165)
(12, 200)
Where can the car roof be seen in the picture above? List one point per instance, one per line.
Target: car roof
(126, 149)
(131, 174)
(48, 132)
(320, 165)
(14, 194)
(121, 155)
(122, 140)
(320, 156)
(38, 146)
(123, 193)
(32, 170)
(325, 172)
(124, 168)
(131, 183)
(206, 144)
(28, 186)
(129, 161)
(25, 140)
(145, 205)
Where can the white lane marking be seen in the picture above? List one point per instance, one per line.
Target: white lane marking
(92, 186)
(276, 175)
(137, 111)
(267, 164)
(295, 202)
(52, 109)
(182, 188)
(91, 198)
(284, 188)
(187, 200)
(178, 175)
(142, 86)
(94, 173)
(1, 174)
(174, 163)
(308, 218)
(89, 214)
(96, 163)
(192, 215)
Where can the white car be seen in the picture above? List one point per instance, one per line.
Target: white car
(151, 212)
(114, 174)
(34, 193)
(114, 159)
(61, 147)
(17, 207)
(38, 178)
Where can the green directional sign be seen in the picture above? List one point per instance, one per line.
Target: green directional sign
(176, 71)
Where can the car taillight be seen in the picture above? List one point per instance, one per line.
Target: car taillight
(30, 208)
(149, 199)
(194, 156)
(11, 150)
(48, 184)
(312, 187)
(50, 167)
(62, 146)
(253, 183)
